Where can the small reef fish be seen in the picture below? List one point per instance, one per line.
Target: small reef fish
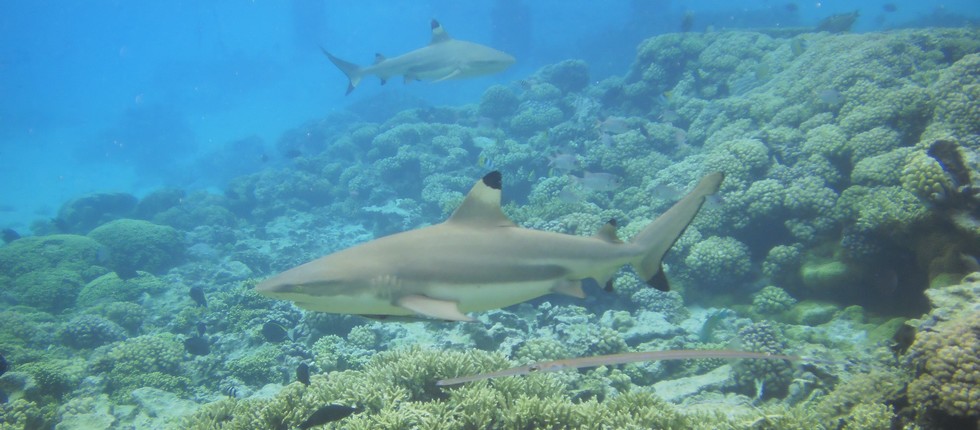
(614, 359)
(328, 414)
(597, 181)
(838, 23)
(197, 345)
(197, 294)
(273, 332)
(444, 58)
(303, 374)
(614, 125)
(563, 162)
(477, 260)
(9, 235)
(201, 328)
(485, 162)
(830, 97)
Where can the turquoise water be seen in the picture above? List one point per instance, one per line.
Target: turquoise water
(163, 159)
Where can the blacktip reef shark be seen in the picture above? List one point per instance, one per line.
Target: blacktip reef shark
(444, 58)
(477, 260)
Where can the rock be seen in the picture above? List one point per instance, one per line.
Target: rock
(85, 213)
(649, 326)
(162, 405)
(675, 390)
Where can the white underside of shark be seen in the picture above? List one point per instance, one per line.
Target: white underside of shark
(477, 260)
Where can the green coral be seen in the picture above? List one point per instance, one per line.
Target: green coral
(957, 92)
(890, 210)
(772, 300)
(136, 245)
(717, 261)
(763, 378)
(65, 251)
(860, 392)
(54, 378)
(924, 177)
(534, 118)
(498, 101)
(877, 141)
(881, 170)
(257, 367)
(541, 349)
(53, 290)
(947, 359)
(828, 141)
(740, 160)
(148, 360)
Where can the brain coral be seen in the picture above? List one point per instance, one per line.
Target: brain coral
(947, 360)
(140, 245)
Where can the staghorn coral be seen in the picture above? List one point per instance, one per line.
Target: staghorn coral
(947, 363)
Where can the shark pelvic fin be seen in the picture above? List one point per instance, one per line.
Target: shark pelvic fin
(569, 288)
(481, 207)
(435, 308)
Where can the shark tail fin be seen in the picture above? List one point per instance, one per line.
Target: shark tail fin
(353, 71)
(658, 237)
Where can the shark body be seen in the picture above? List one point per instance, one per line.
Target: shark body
(442, 59)
(477, 260)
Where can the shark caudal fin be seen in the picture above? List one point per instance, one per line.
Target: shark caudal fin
(660, 235)
(353, 71)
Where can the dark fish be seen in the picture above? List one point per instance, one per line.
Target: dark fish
(274, 332)
(687, 23)
(889, 7)
(3, 365)
(197, 293)
(303, 374)
(791, 7)
(328, 414)
(197, 345)
(10, 235)
(201, 328)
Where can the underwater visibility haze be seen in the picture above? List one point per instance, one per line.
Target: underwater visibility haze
(529, 215)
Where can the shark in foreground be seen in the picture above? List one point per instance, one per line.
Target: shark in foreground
(477, 260)
(442, 59)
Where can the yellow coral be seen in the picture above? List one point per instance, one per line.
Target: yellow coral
(924, 177)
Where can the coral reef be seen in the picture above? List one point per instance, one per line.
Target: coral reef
(135, 245)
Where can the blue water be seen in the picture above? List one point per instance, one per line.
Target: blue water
(130, 96)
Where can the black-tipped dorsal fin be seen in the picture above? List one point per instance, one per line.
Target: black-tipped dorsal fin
(607, 233)
(481, 207)
(438, 34)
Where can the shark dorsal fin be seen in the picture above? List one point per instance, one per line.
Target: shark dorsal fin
(438, 34)
(607, 232)
(481, 207)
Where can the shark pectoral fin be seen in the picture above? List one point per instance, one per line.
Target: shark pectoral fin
(435, 308)
(452, 75)
(569, 288)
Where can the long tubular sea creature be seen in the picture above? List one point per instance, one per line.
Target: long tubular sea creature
(612, 359)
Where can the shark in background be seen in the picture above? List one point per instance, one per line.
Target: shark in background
(477, 260)
(444, 58)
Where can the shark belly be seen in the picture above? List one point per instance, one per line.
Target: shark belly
(481, 297)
